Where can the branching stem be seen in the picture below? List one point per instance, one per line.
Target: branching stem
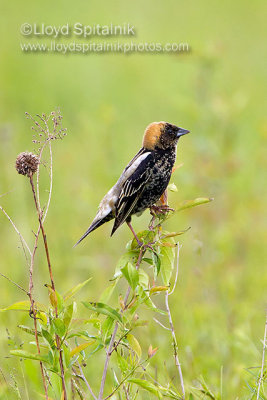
(33, 309)
(112, 340)
(175, 344)
(62, 372)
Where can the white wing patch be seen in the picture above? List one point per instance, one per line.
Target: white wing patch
(132, 168)
(108, 203)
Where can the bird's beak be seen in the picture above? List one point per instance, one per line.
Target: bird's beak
(182, 132)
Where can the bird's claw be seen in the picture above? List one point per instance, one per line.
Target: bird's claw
(162, 209)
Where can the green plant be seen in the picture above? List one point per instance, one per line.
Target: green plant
(66, 344)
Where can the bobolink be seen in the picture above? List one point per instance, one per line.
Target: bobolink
(144, 180)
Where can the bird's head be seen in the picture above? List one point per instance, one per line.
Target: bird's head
(162, 135)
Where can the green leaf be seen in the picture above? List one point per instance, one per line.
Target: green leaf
(156, 262)
(26, 354)
(99, 347)
(170, 393)
(60, 302)
(131, 274)
(174, 234)
(157, 289)
(28, 330)
(143, 278)
(192, 203)
(67, 316)
(145, 236)
(128, 257)
(105, 296)
(149, 386)
(80, 348)
(102, 308)
(122, 363)
(96, 322)
(19, 306)
(81, 334)
(167, 256)
(75, 289)
(148, 260)
(66, 354)
(145, 298)
(42, 318)
(60, 327)
(48, 337)
(133, 342)
(107, 328)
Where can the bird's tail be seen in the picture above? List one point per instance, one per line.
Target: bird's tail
(94, 225)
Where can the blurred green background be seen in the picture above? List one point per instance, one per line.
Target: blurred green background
(217, 91)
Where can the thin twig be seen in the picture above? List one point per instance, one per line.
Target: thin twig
(177, 268)
(163, 326)
(119, 341)
(32, 261)
(29, 293)
(126, 391)
(50, 173)
(16, 229)
(51, 183)
(14, 283)
(263, 359)
(33, 309)
(112, 340)
(47, 142)
(78, 389)
(86, 382)
(38, 175)
(125, 379)
(175, 345)
(24, 380)
(62, 371)
(43, 233)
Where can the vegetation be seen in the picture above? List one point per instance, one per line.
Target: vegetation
(217, 91)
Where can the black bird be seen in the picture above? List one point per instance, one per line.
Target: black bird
(143, 181)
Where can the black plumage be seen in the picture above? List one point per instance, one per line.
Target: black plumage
(144, 179)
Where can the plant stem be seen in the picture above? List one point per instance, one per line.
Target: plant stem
(112, 340)
(14, 283)
(263, 359)
(23, 241)
(43, 233)
(33, 309)
(86, 382)
(62, 372)
(175, 345)
(125, 379)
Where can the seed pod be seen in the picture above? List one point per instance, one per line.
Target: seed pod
(27, 163)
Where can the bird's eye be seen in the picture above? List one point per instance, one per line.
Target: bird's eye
(170, 130)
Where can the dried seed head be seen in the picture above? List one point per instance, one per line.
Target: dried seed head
(27, 163)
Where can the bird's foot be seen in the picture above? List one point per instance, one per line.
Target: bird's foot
(162, 209)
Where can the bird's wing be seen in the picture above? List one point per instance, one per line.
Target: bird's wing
(132, 190)
(137, 157)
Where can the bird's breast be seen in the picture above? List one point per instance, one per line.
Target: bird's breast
(159, 179)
